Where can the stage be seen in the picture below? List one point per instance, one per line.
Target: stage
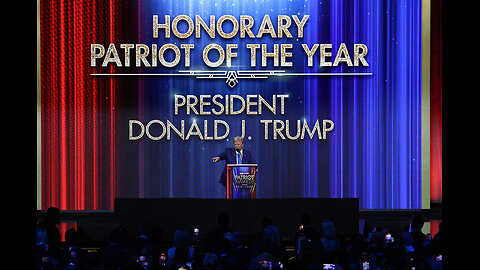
(244, 215)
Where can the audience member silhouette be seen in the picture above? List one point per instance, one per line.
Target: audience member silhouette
(240, 254)
(252, 239)
(418, 237)
(210, 262)
(43, 261)
(113, 256)
(71, 237)
(308, 230)
(214, 236)
(181, 252)
(264, 260)
(270, 243)
(181, 258)
(145, 244)
(437, 240)
(71, 242)
(52, 219)
(329, 244)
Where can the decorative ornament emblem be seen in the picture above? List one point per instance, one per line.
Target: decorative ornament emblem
(232, 78)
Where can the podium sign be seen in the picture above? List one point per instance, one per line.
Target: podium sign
(241, 182)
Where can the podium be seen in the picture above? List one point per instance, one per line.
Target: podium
(241, 182)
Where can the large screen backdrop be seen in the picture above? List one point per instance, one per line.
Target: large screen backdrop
(373, 152)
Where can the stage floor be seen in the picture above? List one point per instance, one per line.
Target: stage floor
(245, 215)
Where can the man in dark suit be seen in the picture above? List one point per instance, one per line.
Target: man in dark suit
(235, 155)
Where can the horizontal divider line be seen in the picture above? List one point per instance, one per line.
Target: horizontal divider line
(190, 74)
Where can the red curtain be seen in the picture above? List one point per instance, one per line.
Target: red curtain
(78, 113)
